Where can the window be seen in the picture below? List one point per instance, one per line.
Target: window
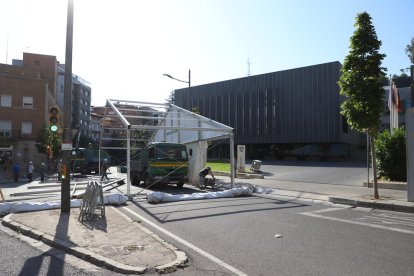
(28, 102)
(5, 129)
(6, 100)
(26, 127)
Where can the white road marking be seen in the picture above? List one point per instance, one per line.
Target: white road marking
(386, 220)
(315, 214)
(189, 245)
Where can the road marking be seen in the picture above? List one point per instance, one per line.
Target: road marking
(189, 245)
(315, 214)
(384, 220)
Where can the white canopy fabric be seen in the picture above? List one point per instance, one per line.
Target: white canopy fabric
(189, 127)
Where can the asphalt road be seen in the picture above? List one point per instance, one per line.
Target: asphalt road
(323, 172)
(272, 236)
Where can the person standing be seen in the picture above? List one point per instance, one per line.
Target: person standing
(16, 171)
(30, 171)
(104, 168)
(42, 172)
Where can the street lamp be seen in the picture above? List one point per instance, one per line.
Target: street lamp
(189, 83)
(189, 78)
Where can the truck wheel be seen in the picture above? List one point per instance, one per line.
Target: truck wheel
(180, 185)
(134, 180)
(147, 181)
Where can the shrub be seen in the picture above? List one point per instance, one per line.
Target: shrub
(391, 155)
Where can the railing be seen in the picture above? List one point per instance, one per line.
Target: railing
(92, 201)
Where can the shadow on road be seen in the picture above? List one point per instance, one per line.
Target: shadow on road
(254, 204)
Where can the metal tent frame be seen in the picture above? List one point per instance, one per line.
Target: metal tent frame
(166, 122)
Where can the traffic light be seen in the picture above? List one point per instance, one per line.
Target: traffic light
(53, 119)
(63, 171)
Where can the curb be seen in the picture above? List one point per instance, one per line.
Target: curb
(240, 175)
(374, 204)
(388, 185)
(96, 259)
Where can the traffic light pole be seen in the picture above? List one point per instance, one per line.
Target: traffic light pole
(65, 192)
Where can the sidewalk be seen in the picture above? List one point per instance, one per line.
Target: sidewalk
(120, 244)
(356, 196)
(115, 242)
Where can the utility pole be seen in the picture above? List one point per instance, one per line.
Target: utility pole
(67, 112)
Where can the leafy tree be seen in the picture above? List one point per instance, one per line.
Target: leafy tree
(410, 50)
(46, 137)
(361, 83)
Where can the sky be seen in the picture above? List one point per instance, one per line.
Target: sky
(123, 47)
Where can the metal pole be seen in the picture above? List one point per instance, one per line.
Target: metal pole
(409, 120)
(367, 159)
(232, 159)
(128, 162)
(65, 192)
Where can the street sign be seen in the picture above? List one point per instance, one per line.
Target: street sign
(66, 146)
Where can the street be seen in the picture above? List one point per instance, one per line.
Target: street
(261, 235)
(272, 236)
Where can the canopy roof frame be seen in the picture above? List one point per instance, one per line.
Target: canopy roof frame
(175, 124)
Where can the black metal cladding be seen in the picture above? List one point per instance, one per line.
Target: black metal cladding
(300, 105)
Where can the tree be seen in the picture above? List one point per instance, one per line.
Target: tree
(46, 137)
(171, 97)
(410, 50)
(361, 83)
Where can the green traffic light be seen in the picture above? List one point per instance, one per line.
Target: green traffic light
(53, 128)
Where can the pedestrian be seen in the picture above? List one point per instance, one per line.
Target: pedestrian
(59, 169)
(202, 177)
(104, 168)
(42, 172)
(30, 171)
(16, 171)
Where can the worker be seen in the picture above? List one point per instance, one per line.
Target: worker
(202, 177)
(42, 172)
(30, 171)
(105, 167)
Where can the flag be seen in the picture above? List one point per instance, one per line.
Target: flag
(393, 105)
(397, 98)
(390, 100)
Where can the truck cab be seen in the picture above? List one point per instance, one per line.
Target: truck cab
(160, 163)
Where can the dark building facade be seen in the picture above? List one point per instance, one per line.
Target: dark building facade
(279, 112)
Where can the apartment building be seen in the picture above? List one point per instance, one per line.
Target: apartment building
(27, 91)
(81, 101)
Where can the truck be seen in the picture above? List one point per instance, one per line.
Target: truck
(160, 163)
(87, 160)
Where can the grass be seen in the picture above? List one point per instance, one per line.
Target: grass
(219, 166)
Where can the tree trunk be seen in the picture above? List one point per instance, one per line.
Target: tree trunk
(374, 166)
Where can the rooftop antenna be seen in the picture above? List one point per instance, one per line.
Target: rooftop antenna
(248, 65)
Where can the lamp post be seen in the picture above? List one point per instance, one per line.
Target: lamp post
(189, 78)
(189, 83)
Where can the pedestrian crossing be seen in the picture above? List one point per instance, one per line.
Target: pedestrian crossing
(387, 220)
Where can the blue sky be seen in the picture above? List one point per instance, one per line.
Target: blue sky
(123, 47)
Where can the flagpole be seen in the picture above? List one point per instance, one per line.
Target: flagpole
(391, 105)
